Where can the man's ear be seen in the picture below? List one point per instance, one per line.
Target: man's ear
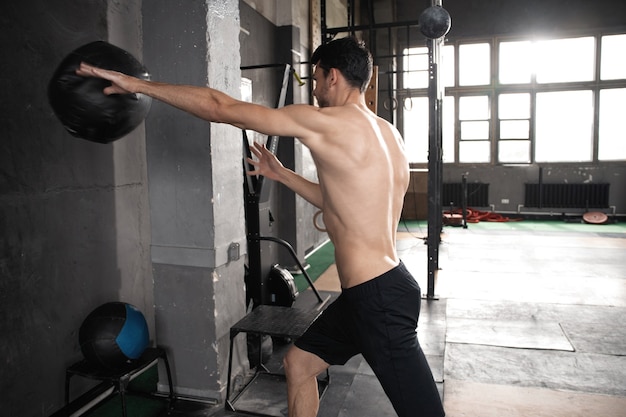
(333, 76)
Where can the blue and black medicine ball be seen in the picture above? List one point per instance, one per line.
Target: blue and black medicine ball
(113, 335)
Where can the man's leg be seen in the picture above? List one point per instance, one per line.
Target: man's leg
(386, 318)
(400, 364)
(302, 369)
(409, 384)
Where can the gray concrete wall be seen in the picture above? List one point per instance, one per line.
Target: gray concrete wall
(195, 193)
(74, 215)
(507, 183)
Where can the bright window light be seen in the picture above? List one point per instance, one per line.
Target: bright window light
(612, 133)
(515, 64)
(514, 106)
(416, 128)
(474, 151)
(564, 126)
(447, 62)
(416, 134)
(475, 64)
(613, 61)
(474, 108)
(475, 130)
(565, 60)
(514, 129)
(415, 67)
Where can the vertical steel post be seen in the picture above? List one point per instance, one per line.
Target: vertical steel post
(435, 165)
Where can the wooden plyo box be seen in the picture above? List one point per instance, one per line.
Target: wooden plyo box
(416, 198)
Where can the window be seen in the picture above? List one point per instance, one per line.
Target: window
(416, 67)
(475, 64)
(415, 114)
(549, 100)
(474, 144)
(612, 129)
(552, 61)
(515, 62)
(565, 60)
(415, 106)
(514, 128)
(612, 62)
(416, 128)
(564, 126)
(447, 62)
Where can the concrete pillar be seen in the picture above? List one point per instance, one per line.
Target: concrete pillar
(195, 177)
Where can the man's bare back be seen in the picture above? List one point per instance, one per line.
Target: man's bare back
(363, 176)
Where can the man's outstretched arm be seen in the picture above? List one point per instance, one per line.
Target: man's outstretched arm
(212, 105)
(301, 121)
(203, 102)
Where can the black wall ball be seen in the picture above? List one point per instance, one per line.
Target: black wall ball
(113, 335)
(80, 104)
(434, 22)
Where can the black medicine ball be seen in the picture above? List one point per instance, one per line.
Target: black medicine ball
(434, 22)
(80, 104)
(113, 335)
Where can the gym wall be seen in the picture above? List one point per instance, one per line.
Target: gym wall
(471, 20)
(482, 19)
(74, 215)
(79, 220)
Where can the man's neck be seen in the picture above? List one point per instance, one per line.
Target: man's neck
(350, 96)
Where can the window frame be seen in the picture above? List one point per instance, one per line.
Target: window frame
(494, 89)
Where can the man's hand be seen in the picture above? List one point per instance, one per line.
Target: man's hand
(266, 164)
(120, 83)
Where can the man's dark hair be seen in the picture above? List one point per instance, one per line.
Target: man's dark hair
(350, 57)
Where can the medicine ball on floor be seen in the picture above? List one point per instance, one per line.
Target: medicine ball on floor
(113, 335)
(81, 105)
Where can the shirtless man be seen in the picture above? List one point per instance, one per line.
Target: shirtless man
(363, 176)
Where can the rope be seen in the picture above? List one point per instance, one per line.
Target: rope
(475, 216)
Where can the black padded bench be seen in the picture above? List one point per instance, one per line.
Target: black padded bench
(275, 321)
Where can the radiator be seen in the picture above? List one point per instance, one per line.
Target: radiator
(567, 195)
(477, 194)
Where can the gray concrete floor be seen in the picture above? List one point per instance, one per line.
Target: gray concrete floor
(534, 320)
(527, 322)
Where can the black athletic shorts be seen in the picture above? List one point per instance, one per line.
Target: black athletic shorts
(378, 319)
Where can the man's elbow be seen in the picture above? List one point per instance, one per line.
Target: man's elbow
(224, 113)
